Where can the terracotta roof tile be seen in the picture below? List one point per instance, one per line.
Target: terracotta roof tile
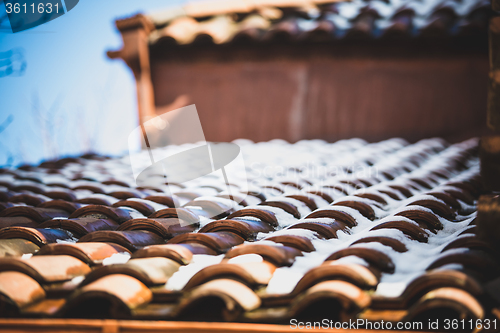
(89, 253)
(113, 296)
(397, 242)
(150, 271)
(39, 236)
(20, 290)
(131, 240)
(48, 268)
(221, 22)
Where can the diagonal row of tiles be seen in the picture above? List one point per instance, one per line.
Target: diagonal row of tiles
(385, 231)
(321, 22)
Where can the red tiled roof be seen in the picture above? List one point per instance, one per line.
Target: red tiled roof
(244, 21)
(337, 243)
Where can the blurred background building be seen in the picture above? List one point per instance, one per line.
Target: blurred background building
(255, 69)
(315, 69)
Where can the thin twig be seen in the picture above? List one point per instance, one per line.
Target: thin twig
(6, 123)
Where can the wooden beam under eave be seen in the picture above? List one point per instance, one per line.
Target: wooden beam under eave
(135, 53)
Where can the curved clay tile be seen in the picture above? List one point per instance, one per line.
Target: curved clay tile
(363, 25)
(36, 235)
(439, 279)
(238, 198)
(470, 230)
(322, 194)
(423, 218)
(5, 205)
(292, 184)
(29, 186)
(282, 31)
(61, 194)
(197, 248)
(235, 298)
(323, 31)
(181, 30)
(247, 35)
(440, 22)
(446, 303)
(391, 193)
(372, 196)
(401, 24)
(176, 252)
(403, 190)
(68, 207)
(363, 207)
(469, 241)
(324, 228)
(47, 269)
(18, 221)
(437, 206)
(447, 198)
(471, 259)
(95, 188)
(142, 206)
(257, 194)
(308, 200)
(354, 183)
(115, 182)
(467, 188)
(395, 244)
(412, 185)
(252, 274)
(411, 229)
(286, 206)
(217, 241)
(19, 290)
(98, 199)
(424, 182)
(119, 215)
(276, 254)
(165, 228)
(177, 213)
(373, 257)
(89, 253)
(150, 271)
(5, 194)
(247, 229)
(31, 199)
(336, 213)
(212, 209)
(261, 214)
(344, 188)
(131, 240)
(166, 200)
(36, 214)
(300, 243)
(317, 301)
(126, 193)
(80, 226)
(459, 194)
(16, 247)
(113, 296)
(358, 275)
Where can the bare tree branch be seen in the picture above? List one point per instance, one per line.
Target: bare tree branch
(6, 123)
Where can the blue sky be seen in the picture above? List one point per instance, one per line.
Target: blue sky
(71, 98)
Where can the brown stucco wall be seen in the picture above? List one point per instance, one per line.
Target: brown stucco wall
(328, 93)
